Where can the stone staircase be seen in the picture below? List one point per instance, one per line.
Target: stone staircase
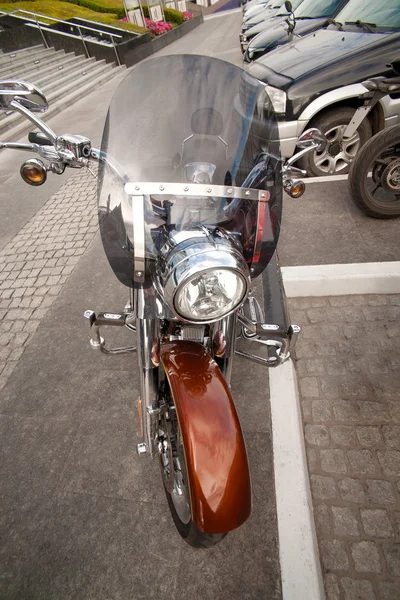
(63, 77)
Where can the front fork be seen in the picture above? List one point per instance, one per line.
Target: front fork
(146, 323)
(148, 344)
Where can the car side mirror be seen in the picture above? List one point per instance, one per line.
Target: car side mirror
(311, 137)
(26, 94)
(288, 6)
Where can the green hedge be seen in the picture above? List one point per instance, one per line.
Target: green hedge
(101, 6)
(174, 16)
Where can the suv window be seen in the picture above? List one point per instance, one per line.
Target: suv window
(383, 14)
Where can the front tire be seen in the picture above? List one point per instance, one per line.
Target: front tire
(176, 483)
(378, 196)
(340, 151)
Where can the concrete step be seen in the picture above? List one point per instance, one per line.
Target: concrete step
(24, 50)
(22, 53)
(66, 99)
(20, 71)
(56, 65)
(49, 83)
(76, 65)
(54, 74)
(6, 57)
(36, 57)
(54, 91)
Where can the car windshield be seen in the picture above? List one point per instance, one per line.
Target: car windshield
(182, 120)
(382, 14)
(283, 11)
(313, 9)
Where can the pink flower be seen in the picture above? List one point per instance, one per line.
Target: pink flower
(187, 15)
(158, 27)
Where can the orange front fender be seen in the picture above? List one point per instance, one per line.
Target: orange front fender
(215, 453)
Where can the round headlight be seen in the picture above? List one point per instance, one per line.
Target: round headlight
(205, 277)
(210, 295)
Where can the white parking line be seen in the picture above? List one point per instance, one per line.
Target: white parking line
(326, 178)
(301, 574)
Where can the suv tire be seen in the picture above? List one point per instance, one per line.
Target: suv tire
(339, 154)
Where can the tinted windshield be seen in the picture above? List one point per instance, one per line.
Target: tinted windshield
(383, 13)
(317, 8)
(187, 119)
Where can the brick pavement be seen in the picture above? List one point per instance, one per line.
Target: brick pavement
(348, 362)
(37, 262)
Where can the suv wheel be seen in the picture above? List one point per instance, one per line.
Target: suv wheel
(340, 151)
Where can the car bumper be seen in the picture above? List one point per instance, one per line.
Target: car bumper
(289, 132)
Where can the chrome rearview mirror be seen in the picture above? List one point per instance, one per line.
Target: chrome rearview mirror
(24, 93)
(313, 136)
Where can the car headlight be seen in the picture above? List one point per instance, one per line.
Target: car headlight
(278, 99)
(204, 280)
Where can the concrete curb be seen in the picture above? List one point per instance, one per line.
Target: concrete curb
(341, 280)
(301, 573)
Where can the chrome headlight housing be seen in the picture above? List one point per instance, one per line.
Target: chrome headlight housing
(278, 99)
(205, 278)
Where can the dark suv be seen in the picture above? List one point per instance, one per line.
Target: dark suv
(316, 81)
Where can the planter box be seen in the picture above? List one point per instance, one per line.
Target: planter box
(131, 47)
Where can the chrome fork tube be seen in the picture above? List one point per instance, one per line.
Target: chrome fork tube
(225, 332)
(147, 334)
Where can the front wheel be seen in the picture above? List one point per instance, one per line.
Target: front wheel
(175, 480)
(378, 196)
(340, 152)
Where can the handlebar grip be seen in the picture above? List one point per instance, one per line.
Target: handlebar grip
(37, 137)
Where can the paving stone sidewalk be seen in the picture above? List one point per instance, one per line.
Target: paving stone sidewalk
(348, 363)
(37, 262)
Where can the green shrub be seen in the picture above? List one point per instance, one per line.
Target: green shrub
(101, 6)
(174, 16)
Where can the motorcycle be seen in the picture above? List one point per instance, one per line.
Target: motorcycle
(189, 203)
(377, 196)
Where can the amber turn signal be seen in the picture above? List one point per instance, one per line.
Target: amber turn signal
(294, 189)
(33, 171)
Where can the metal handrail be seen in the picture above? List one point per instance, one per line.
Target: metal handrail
(55, 20)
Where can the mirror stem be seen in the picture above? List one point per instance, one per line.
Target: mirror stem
(35, 120)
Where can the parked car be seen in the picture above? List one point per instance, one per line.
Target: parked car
(267, 7)
(308, 17)
(265, 12)
(315, 81)
(265, 18)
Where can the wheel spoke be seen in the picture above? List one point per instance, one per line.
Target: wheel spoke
(351, 140)
(378, 185)
(334, 134)
(344, 157)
